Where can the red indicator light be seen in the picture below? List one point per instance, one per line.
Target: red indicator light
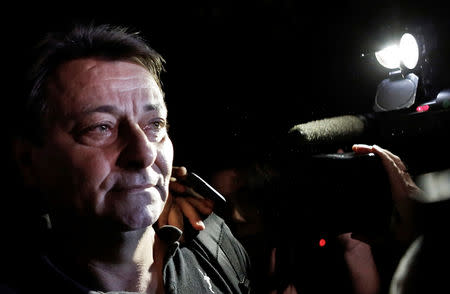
(322, 242)
(422, 108)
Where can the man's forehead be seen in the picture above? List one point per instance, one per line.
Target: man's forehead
(90, 70)
(113, 109)
(88, 81)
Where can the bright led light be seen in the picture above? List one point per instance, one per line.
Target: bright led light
(409, 51)
(389, 57)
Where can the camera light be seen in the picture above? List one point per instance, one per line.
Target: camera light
(389, 57)
(322, 242)
(406, 52)
(422, 108)
(409, 51)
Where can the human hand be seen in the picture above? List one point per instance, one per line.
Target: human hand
(290, 288)
(180, 204)
(360, 263)
(403, 189)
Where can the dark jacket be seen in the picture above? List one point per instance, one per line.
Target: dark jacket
(212, 261)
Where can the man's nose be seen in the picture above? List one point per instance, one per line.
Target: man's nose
(138, 152)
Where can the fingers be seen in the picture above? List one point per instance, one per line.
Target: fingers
(178, 172)
(175, 217)
(190, 212)
(362, 148)
(204, 206)
(401, 182)
(290, 289)
(394, 157)
(273, 258)
(177, 187)
(191, 207)
(391, 162)
(176, 208)
(389, 158)
(403, 188)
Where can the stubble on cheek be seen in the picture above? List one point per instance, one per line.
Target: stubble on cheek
(92, 184)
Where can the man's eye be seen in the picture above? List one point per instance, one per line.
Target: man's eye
(156, 125)
(159, 124)
(97, 130)
(156, 129)
(96, 134)
(102, 128)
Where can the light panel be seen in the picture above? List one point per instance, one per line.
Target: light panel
(406, 53)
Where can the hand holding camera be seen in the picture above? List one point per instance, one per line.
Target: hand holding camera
(403, 190)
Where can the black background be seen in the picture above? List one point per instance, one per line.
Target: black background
(241, 73)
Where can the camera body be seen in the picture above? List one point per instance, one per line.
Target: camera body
(340, 193)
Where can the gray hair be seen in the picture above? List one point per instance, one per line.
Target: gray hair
(82, 41)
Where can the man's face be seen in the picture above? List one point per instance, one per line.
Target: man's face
(106, 155)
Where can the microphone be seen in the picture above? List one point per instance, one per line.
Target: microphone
(412, 135)
(326, 135)
(336, 182)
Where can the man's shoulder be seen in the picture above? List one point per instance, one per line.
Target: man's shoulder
(217, 234)
(215, 228)
(225, 248)
(214, 253)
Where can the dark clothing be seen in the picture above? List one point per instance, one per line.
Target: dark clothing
(215, 256)
(211, 262)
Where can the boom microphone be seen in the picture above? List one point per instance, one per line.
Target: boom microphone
(336, 181)
(326, 135)
(412, 135)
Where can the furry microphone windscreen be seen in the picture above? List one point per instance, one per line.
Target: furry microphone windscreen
(313, 135)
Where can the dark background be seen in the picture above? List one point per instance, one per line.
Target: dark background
(242, 73)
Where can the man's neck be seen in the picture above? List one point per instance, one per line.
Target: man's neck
(127, 261)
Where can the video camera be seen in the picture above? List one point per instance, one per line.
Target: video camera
(336, 193)
(410, 117)
(329, 190)
(348, 192)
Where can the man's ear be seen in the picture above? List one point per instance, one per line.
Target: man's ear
(23, 153)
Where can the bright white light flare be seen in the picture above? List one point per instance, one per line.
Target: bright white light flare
(409, 51)
(406, 52)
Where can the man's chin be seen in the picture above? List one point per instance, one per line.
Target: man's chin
(138, 220)
(132, 211)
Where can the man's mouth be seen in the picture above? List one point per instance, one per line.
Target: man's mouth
(132, 188)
